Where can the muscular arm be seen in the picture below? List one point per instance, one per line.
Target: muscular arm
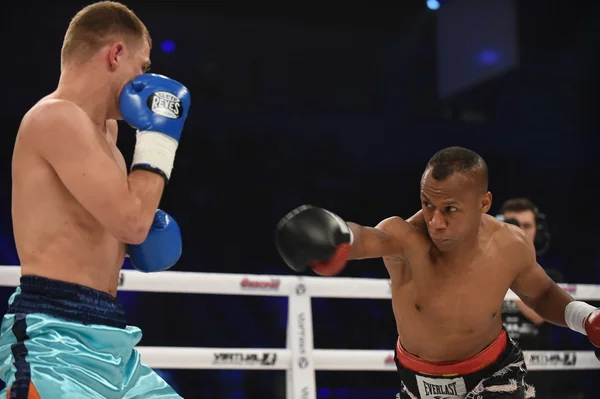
(387, 238)
(535, 288)
(65, 137)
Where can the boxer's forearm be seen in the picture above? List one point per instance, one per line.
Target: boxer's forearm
(145, 192)
(356, 249)
(551, 304)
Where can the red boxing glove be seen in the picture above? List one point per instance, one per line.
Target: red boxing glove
(592, 327)
(334, 265)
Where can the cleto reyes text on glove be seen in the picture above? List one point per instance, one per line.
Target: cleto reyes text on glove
(157, 107)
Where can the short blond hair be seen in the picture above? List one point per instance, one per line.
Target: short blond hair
(95, 25)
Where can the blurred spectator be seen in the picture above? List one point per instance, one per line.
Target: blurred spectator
(525, 326)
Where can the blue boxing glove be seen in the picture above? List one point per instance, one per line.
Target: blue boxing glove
(162, 247)
(157, 107)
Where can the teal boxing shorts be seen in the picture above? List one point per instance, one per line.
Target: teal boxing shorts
(62, 340)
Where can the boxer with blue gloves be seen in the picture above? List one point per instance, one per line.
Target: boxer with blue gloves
(77, 212)
(157, 107)
(161, 249)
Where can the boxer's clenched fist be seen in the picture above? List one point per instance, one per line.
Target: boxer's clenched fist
(162, 247)
(157, 107)
(592, 327)
(316, 238)
(584, 318)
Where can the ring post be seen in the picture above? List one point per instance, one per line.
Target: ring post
(301, 375)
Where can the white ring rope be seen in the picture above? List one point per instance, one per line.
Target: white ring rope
(299, 359)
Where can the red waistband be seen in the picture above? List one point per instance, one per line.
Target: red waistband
(483, 359)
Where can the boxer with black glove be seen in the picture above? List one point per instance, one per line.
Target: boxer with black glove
(451, 266)
(316, 238)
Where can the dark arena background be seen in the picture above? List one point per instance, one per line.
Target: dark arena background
(341, 105)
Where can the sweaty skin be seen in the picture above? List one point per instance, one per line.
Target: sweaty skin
(448, 305)
(74, 207)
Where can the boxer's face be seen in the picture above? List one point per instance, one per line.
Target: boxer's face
(130, 59)
(136, 62)
(452, 208)
(526, 220)
(140, 59)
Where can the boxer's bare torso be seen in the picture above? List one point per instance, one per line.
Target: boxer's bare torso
(55, 236)
(448, 307)
(450, 310)
(451, 265)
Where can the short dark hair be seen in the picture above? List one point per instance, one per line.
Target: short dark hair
(452, 160)
(518, 205)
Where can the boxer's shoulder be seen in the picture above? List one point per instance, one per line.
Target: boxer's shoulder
(509, 240)
(51, 105)
(51, 113)
(397, 226)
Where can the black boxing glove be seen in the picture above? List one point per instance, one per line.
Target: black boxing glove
(314, 237)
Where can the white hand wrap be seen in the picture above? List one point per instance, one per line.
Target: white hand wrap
(575, 314)
(156, 151)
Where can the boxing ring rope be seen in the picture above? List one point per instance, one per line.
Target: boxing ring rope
(299, 359)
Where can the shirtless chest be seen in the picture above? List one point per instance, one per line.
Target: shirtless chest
(447, 312)
(55, 236)
(32, 175)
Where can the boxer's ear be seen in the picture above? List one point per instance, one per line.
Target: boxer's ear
(116, 54)
(486, 202)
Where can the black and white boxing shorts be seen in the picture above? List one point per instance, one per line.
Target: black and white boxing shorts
(496, 372)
